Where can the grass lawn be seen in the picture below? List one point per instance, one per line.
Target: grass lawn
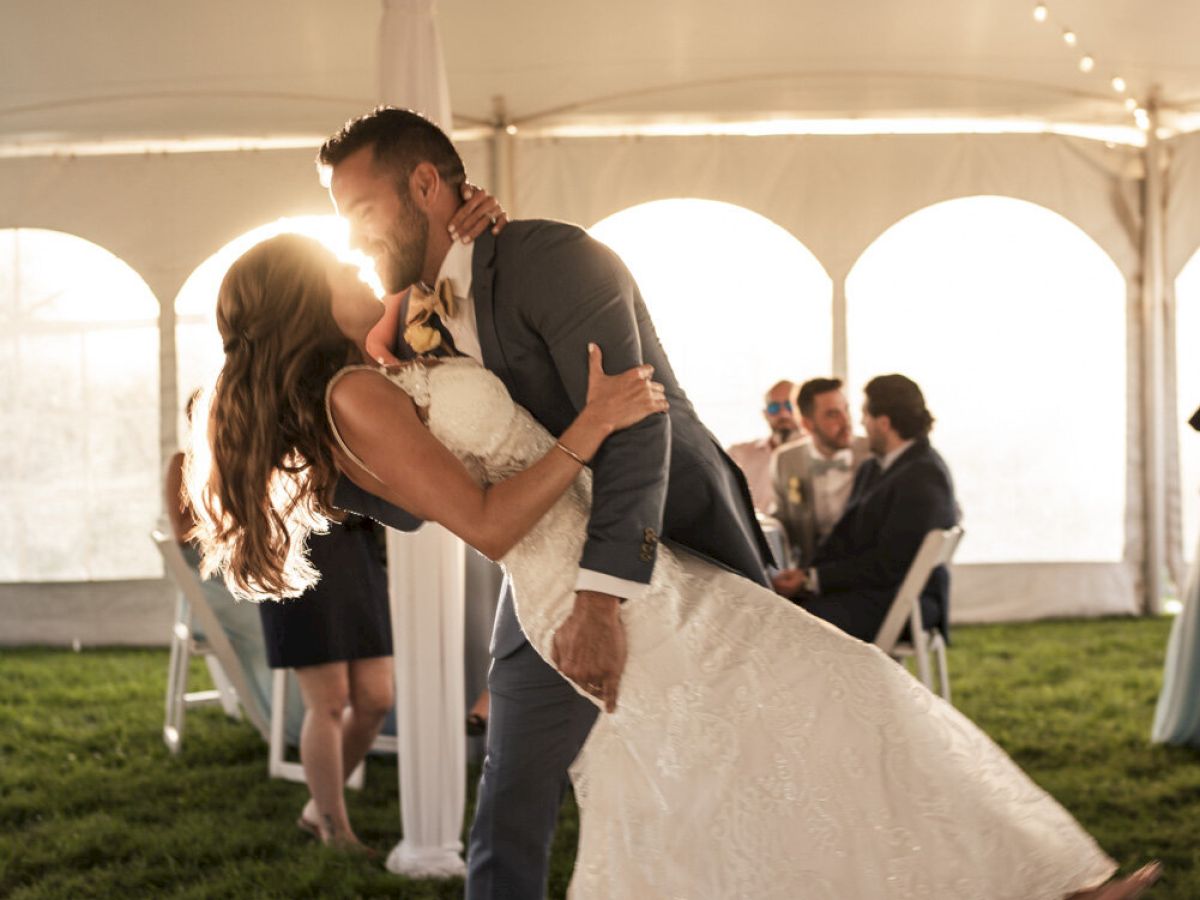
(92, 805)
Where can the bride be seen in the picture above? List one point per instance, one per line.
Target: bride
(757, 751)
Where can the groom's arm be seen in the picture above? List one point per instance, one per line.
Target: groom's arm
(587, 295)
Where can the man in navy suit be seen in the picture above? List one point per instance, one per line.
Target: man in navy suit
(898, 497)
(527, 303)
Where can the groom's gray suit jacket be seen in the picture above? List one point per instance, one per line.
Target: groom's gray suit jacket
(542, 291)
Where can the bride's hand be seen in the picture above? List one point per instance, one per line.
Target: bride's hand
(479, 213)
(618, 401)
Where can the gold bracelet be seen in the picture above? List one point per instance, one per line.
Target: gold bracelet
(571, 453)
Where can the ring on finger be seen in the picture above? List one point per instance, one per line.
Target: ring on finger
(594, 687)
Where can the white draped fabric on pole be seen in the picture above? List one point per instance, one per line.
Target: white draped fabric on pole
(426, 569)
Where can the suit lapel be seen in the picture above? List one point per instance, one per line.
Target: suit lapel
(483, 274)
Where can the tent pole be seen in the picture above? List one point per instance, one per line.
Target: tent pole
(502, 157)
(1153, 387)
(841, 367)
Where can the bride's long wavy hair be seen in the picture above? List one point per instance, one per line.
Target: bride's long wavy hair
(261, 472)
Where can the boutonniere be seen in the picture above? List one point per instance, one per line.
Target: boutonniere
(422, 337)
(794, 490)
(420, 332)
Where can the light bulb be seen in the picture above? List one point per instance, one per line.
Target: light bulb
(1130, 104)
(1069, 37)
(1118, 84)
(1040, 12)
(1086, 63)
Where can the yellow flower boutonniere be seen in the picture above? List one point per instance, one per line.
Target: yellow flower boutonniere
(422, 337)
(794, 495)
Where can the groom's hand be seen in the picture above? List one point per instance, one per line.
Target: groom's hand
(590, 649)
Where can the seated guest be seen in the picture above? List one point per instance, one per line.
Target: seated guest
(812, 477)
(754, 457)
(899, 496)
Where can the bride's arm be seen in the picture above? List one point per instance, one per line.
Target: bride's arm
(414, 471)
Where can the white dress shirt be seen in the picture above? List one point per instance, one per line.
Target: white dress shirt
(464, 328)
(889, 458)
(831, 491)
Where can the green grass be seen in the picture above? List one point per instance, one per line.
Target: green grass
(92, 805)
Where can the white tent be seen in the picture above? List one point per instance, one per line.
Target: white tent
(162, 132)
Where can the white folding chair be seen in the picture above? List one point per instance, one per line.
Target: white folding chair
(214, 646)
(936, 550)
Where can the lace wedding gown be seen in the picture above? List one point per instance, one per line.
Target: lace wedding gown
(758, 752)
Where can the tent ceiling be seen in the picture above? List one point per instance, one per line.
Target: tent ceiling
(126, 68)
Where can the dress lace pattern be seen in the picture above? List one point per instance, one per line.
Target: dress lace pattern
(758, 752)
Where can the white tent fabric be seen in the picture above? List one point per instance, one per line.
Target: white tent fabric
(426, 570)
(837, 195)
(834, 193)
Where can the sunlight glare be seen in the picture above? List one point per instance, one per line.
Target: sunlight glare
(737, 301)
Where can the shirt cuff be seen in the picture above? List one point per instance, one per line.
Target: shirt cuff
(590, 580)
(812, 582)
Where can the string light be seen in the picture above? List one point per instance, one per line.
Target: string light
(1087, 63)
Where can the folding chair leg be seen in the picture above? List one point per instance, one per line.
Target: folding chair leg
(943, 668)
(177, 677)
(225, 690)
(921, 652)
(277, 766)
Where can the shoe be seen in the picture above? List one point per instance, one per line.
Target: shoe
(476, 725)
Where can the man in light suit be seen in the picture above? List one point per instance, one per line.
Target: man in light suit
(901, 494)
(529, 301)
(811, 478)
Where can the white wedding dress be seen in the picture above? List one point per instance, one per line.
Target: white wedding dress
(758, 752)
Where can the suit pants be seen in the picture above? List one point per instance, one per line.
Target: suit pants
(536, 727)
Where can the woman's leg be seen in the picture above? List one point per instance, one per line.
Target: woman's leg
(326, 692)
(371, 698)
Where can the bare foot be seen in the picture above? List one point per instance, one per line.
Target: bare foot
(1124, 888)
(326, 831)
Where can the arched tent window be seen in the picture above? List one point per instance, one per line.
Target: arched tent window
(1187, 326)
(197, 345)
(738, 302)
(1012, 320)
(80, 475)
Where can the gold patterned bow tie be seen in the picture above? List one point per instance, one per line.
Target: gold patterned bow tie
(419, 332)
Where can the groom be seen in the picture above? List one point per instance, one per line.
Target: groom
(527, 302)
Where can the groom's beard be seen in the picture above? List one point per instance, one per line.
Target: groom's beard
(401, 258)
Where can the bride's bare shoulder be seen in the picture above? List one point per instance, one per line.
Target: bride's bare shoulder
(361, 394)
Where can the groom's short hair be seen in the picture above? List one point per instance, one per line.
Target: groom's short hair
(401, 139)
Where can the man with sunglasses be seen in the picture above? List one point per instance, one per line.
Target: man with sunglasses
(754, 457)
